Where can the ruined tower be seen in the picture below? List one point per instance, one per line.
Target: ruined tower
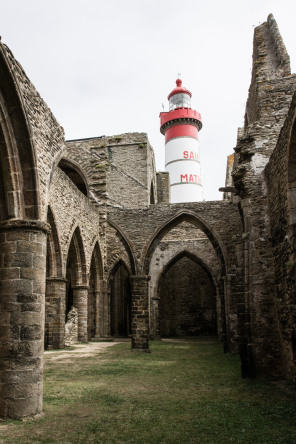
(180, 126)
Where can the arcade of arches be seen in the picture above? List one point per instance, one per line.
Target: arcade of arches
(182, 294)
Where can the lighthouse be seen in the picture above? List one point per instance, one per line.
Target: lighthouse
(181, 125)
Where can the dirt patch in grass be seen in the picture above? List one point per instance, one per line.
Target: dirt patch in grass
(84, 351)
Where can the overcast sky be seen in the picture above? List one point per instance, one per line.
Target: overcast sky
(105, 67)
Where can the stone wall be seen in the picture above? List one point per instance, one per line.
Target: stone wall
(280, 176)
(163, 187)
(120, 169)
(72, 209)
(269, 99)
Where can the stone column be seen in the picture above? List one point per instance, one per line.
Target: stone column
(22, 289)
(80, 293)
(55, 306)
(140, 313)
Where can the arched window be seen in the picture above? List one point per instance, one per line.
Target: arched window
(152, 197)
(75, 174)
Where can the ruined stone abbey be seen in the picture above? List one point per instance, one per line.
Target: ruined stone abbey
(92, 248)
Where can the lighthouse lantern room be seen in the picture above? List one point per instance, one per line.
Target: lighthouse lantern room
(181, 126)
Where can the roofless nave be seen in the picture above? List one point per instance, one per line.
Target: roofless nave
(88, 223)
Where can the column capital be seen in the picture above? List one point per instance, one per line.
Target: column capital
(80, 287)
(56, 279)
(25, 224)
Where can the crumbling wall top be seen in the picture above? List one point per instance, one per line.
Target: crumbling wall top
(270, 57)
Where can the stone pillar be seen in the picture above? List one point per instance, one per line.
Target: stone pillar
(55, 306)
(80, 293)
(22, 290)
(140, 313)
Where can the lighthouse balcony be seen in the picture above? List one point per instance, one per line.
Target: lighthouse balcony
(179, 115)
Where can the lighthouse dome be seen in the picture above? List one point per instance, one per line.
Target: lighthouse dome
(179, 97)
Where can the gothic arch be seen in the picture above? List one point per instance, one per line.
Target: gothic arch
(172, 223)
(75, 174)
(54, 290)
(96, 310)
(76, 255)
(76, 284)
(201, 224)
(120, 300)
(97, 257)
(152, 194)
(75, 267)
(128, 247)
(54, 258)
(194, 258)
(19, 198)
(187, 298)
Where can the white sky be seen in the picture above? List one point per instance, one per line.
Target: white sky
(105, 67)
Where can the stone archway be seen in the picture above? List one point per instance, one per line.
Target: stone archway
(76, 288)
(202, 242)
(120, 300)
(55, 290)
(96, 307)
(187, 298)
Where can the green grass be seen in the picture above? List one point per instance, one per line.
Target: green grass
(186, 392)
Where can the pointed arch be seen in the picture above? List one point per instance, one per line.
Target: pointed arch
(187, 216)
(194, 258)
(76, 288)
(96, 310)
(187, 297)
(97, 256)
(75, 174)
(75, 267)
(128, 247)
(54, 257)
(172, 223)
(152, 194)
(120, 300)
(76, 255)
(55, 289)
(17, 155)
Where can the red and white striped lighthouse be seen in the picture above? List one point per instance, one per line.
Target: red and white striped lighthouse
(180, 126)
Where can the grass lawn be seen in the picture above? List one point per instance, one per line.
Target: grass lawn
(183, 392)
